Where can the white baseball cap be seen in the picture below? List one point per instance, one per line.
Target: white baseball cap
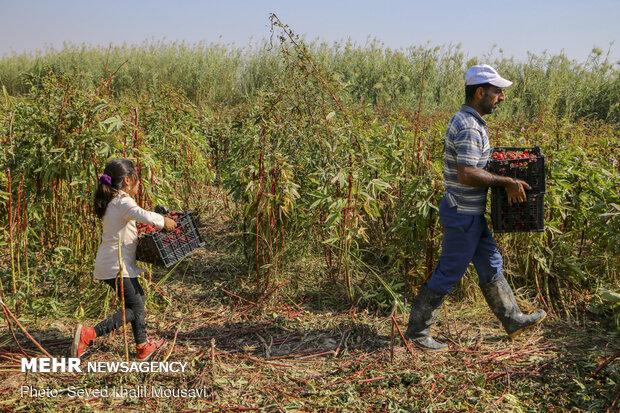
(480, 74)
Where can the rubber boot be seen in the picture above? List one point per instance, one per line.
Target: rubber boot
(82, 337)
(145, 352)
(502, 301)
(424, 311)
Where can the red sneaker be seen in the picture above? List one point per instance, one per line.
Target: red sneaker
(145, 352)
(82, 337)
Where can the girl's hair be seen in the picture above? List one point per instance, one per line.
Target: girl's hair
(111, 182)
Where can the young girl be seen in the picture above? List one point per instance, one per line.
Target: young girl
(115, 204)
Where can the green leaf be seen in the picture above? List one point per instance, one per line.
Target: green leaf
(610, 296)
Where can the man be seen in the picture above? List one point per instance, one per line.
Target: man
(467, 236)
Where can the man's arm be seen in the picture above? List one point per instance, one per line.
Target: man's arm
(474, 176)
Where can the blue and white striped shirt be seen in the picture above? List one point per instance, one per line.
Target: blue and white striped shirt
(467, 142)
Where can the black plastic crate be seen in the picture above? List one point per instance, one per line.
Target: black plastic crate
(528, 216)
(530, 170)
(165, 248)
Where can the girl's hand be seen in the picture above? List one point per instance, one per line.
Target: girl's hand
(169, 224)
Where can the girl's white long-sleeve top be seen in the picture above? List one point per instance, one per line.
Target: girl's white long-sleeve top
(119, 221)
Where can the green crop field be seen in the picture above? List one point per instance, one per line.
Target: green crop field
(317, 172)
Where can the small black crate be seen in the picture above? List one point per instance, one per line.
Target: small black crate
(530, 170)
(165, 248)
(528, 216)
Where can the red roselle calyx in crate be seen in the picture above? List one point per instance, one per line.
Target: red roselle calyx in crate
(166, 248)
(144, 229)
(503, 156)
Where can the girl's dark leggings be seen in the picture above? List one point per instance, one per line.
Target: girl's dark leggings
(134, 310)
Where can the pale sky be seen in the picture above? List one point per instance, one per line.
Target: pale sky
(516, 27)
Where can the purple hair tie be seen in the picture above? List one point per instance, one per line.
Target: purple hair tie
(105, 179)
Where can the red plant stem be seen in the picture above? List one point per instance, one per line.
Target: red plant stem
(137, 142)
(273, 229)
(241, 298)
(8, 323)
(261, 178)
(20, 190)
(402, 337)
(345, 225)
(54, 208)
(611, 408)
(274, 399)
(428, 157)
(24, 209)
(274, 289)
(429, 242)
(417, 122)
(11, 247)
(9, 204)
(18, 224)
(370, 380)
(606, 363)
(257, 253)
(392, 398)
(36, 343)
(392, 341)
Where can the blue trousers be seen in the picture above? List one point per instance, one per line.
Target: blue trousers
(466, 239)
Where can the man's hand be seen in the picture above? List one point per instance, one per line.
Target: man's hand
(515, 189)
(169, 224)
(474, 176)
